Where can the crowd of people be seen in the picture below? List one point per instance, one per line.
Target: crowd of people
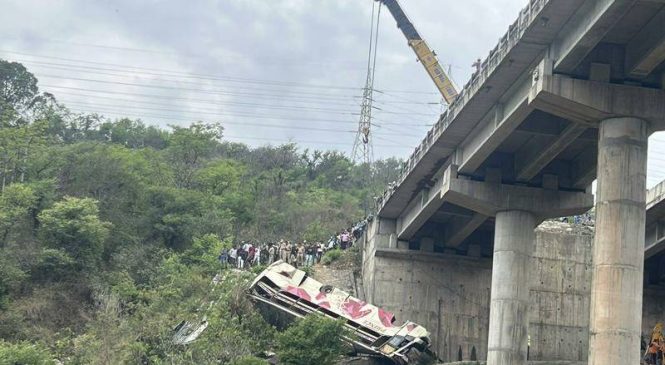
(301, 254)
(587, 219)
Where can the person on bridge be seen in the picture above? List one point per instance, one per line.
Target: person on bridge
(319, 251)
(293, 254)
(251, 253)
(284, 251)
(257, 256)
(345, 237)
(233, 255)
(242, 257)
(224, 258)
(301, 254)
(309, 254)
(271, 254)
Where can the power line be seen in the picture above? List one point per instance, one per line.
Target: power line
(190, 55)
(213, 92)
(105, 46)
(204, 91)
(381, 110)
(222, 103)
(205, 101)
(213, 113)
(97, 108)
(114, 72)
(309, 142)
(399, 97)
(175, 73)
(265, 116)
(160, 96)
(248, 115)
(105, 108)
(260, 138)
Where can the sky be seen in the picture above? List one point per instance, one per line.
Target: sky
(271, 71)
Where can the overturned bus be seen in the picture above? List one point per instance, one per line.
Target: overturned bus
(374, 330)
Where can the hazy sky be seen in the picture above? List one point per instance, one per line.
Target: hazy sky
(270, 71)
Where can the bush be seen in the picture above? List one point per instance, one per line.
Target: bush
(53, 264)
(205, 251)
(313, 340)
(330, 256)
(11, 278)
(309, 270)
(24, 354)
(249, 360)
(258, 269)
(73, 225)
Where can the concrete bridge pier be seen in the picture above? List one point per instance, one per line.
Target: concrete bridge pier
(616, 291)
(517, 209)
(509, 307)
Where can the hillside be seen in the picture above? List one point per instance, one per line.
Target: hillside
(110, 229)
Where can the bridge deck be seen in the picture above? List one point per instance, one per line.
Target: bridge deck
(529, 116)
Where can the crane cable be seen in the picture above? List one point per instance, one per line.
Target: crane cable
(376, 42)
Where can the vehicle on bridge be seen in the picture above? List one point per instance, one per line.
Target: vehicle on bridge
(374, 331)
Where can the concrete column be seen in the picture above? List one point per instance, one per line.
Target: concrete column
(618, 257)
(513, 243)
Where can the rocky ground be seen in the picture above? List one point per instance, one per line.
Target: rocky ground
(342, 273)
(556, 226)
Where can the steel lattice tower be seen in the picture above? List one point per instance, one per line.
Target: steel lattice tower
(362, 147)
(363, 151)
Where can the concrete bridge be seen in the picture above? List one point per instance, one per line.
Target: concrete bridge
(570, 94)
(654, 244)
(449, 292)
(655, 221)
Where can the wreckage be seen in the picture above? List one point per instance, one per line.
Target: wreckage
(374, 330)
(187, 332)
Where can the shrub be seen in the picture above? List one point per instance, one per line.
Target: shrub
(205, 251)
(249, 360)
(313, 340)
(330, 256)
(11, 278)
(54, 264)
(24, 354)
(73, 225)
(258, 269)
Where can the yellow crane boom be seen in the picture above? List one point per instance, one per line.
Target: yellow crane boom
(425, 55)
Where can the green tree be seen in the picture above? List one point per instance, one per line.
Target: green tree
(53, 264)
(313, 340)
(11, 278)
(178, 215)
(220, 177)
(17, 143)
(18, 88)
(19, 130)
(16, 202)
(205, 251)
(73, 225)
(188, 147)
(133, 134)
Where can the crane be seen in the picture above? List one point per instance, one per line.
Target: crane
(425, 55)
